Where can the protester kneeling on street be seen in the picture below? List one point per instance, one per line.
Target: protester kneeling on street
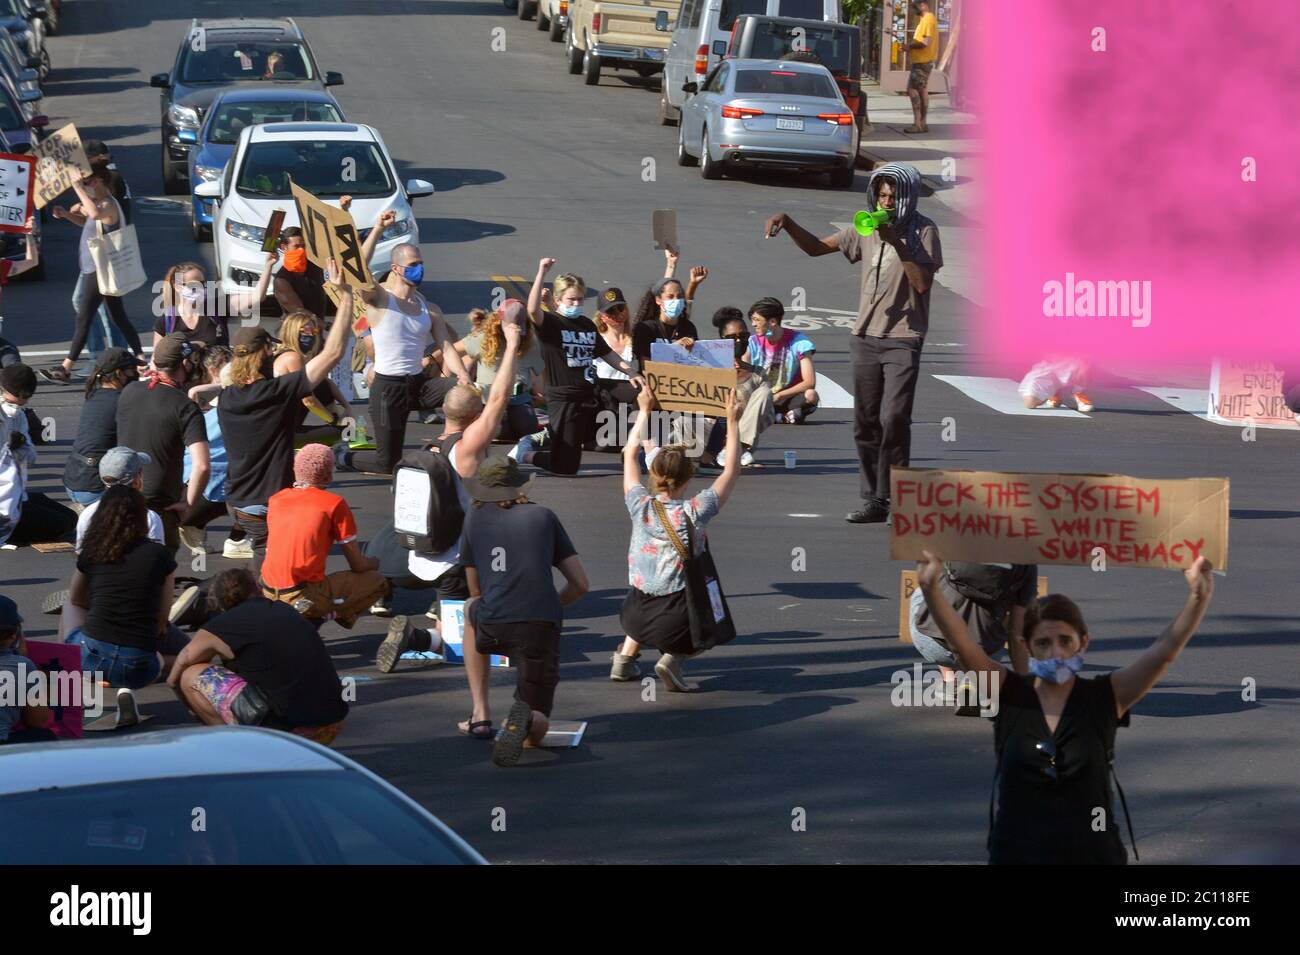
(1054, 733)
(19, 722)
(655, 610)
(1049, 380)
(257, 662)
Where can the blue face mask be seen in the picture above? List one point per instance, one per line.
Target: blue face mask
(1054, 670)
(673, 307)
(568, 311)
(413, 273)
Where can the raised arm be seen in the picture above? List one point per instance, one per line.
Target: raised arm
(331, 352)
(535, 293)
(805, 240)
(246, 300)
(670, 261)
(919, 276)
(969, 653)
(645, 401)
(386, 219)
(731, 465)
(698, 274)
(474, 443)
(32, 259)
(1134, 681)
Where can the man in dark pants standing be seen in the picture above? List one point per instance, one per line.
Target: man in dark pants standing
(898, 261)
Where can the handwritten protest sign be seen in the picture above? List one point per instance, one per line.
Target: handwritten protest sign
(359, 322)
(17, 174)
(691, 388)
(61, 663)
(710, 353)
(907, 587)
(1036, 518)
(1249, 390)
(60, 161)
(330, 233)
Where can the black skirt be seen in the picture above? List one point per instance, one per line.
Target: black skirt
(659, 622)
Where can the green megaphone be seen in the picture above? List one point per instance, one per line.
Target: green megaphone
(868, 222)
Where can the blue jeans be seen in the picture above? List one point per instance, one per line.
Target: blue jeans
(120, 666)
(84, 498)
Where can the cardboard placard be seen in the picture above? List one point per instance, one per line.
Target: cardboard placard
(330, 233)
(907, 586)
(452, 616)
(708, 353)
(17, 174)
(691, 388)
(664, 224)
(62, 665)
(359, 322)
(60, 161)
(1249, 391)
(1033, 518)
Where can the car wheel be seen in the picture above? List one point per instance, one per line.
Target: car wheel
(590, 69)
(43, 71)
(708, 168)
(526, 10)
(557, 30)
(201, 233)
(683, 157)
(667, 115)
(173, 184)
(542, 22)
(842, 178)
(572, 52)
(644, 70)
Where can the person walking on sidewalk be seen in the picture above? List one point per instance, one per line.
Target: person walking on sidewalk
(899, 261)
(924, 50)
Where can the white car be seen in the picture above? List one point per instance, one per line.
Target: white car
(329, 160)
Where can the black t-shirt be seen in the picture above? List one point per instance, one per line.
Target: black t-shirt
(126, 597)
(309, 286)
(258, 424)
(280, 653)
(569, 346)
(656, 330)
(1046, 803)
(520, 588)
(982, 595)
(162, 422)
(96, 433)
(209, 331)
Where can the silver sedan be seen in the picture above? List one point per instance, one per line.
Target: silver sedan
(768, 113)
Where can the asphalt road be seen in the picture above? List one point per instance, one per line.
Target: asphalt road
(796, 714)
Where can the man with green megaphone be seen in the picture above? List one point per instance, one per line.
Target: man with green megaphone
(899, 251)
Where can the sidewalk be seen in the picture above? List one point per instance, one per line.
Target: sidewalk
(952, 135)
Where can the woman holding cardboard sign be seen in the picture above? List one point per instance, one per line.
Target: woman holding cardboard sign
(1054, 732)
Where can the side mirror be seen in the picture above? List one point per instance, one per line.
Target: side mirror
(719, 47)
(208, 190)
(187, 135)
(38, 122)
(417, 188)
(30, 96)
(160, 80)
(661, 21)
(333, 78)
(690, 87)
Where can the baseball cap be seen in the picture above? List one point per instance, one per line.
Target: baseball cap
(250, 339)
(10, 618)
(611, 298)
(115, 359)
(172, 350)
(94, 147)
(120, 465)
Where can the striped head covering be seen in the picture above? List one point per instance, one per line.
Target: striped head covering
(907, 190)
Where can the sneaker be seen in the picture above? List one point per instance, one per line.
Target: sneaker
(510, 741)
(871, 512)
(1082, 402)
(623, 668)
(669, 669)
(432, 612)
(1052, 402)
(237, 549)
(128, 710)
(382, 607)
(195, 538)
(58, 374)
(793, 416)
(521, 451)
(541, 439)
(183, 604)
(747, 459)
(395, 644)
(341, 451)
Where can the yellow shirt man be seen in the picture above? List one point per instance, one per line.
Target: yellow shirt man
(927, 32)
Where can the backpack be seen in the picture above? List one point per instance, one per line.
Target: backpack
(427, 515)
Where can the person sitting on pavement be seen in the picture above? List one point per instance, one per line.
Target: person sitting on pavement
(484, 347)
(725, 316)
(1048, 380)
(97, 425)
(753, 401)
(304, 522)
(784, 357)
(119, 465)
(655, 609)
(515, 610)
(26, 516)
(20, 722)
(663, 314)
(258, 662)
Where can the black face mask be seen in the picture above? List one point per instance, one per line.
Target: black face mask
(267, 367)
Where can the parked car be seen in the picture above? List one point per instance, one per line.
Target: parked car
(25, 20)
(19, 121)
(602, 34)
(768, 113)
(836, 46)
(553, 17)
(265, 798)
(231, 113)
(701, 33)
(14, 246)
(216, 55)
(329, 160)
(17, 67)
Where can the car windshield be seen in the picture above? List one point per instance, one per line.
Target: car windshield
(231, 118)
(312, 818)
(734, 8)
(834, 47)
(223, 62)
(325, 168)
(785, 83)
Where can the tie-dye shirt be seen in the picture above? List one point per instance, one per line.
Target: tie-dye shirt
(779, 361)
(653, 565)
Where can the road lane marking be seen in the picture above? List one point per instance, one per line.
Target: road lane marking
(1002, 395)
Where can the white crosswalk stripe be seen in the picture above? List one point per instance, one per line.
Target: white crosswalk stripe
(1001, 394)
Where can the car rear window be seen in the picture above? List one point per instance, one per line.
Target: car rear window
(734, 8)
(228, 61)
(232, 118)
(835, 48)
(785, 83)
(802, 9)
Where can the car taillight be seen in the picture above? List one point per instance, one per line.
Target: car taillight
(595, 22)
(740, 112)
(702, 60)
(839, 119)
(564, 8)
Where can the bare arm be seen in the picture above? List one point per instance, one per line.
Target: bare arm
(807, 380)
(33, 258)
(358, 562)
(386, 219)
(670, 261)
(1135, 680)
(576, 584)
(698, 274)
(725, 481)
(105, 212)
(331, 353)
(535, 293)
(919, 276)
(645, 401)
(200, 469)
(442, 335)
(1016, 645)
(968, 651)
(245, 300)
(204, 647)
(79, 591)
(285, 295)
(478, 436)
(805, 240)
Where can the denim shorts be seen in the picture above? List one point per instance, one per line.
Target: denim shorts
(84, 498)
(130, 667)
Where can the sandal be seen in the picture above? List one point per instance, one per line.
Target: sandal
(476, 729)
(58, 374)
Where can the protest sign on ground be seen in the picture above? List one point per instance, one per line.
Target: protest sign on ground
(330, 233)
(60, 161)
(1034, 518)
(691, 388)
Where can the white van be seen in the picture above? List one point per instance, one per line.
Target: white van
(702, 32)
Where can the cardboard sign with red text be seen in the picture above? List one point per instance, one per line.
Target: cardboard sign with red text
(1031, 518)
(1249, 391)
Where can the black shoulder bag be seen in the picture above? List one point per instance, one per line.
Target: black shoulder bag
(706, 604)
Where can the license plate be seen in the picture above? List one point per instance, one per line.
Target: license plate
(789, 123)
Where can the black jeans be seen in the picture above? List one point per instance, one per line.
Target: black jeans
(392, 397)
(885, 372)
(89, 306)
(572, 424)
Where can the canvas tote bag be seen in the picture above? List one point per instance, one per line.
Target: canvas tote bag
(119, 269)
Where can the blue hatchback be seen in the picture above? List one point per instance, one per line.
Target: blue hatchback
(229, 114)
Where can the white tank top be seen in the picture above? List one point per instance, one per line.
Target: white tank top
(399, 338)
